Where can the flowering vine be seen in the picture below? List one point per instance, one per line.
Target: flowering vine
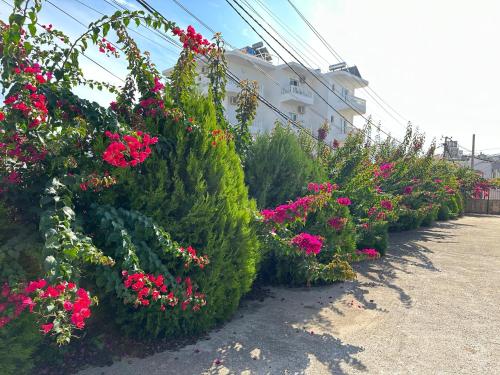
(61, 307)
(128, 150)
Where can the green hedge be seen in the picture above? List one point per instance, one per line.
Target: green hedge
(277, 169)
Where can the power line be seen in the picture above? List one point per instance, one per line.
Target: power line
(132, 30)
(340, 59)
(253, 63)
(83, 54)
(303, 66)
(235, 78)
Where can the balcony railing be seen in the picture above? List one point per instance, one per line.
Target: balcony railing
(351, 103)
(296, 90)
(356, 102)
(296, 95)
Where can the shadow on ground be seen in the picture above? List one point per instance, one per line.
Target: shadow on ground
(295, 331)
(291, 346)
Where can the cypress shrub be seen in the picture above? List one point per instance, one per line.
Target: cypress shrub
(19, 259)
(277, 169)
(18, 341)
(193, 187)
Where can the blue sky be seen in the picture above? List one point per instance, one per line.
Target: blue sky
(435, 62)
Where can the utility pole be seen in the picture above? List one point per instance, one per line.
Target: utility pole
(445, 147)
(473, 150)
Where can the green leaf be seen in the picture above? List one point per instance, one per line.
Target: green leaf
(105, 29)
(32, 29)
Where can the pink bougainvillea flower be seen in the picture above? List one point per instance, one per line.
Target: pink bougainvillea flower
(387, 204)
(344, 201)
(308, 242)
(408, 190)
(337, 223)
(370, 253)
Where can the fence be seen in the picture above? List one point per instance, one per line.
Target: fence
(488, 204)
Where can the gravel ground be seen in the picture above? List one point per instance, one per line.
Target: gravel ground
(431, 306)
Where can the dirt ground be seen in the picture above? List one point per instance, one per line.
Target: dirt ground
(431, 306)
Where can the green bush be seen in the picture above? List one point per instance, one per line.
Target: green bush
(194, 189)
(376, 236)
(18, 341)
(431, 216)
(277, 169)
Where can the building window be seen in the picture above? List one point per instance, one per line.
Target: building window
(344, 126)
(294, 82)
(345, 92)
(333, 87)
(233, 100)
(332, 119)
(301, 109)
(293, 116)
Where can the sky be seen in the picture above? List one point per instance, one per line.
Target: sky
(434, 61)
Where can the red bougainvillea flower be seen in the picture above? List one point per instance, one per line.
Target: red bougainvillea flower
(449, 190)
(152, 289)
(13, 178)
(11, 99)
(310, 243)
(46, 328)
(386, 204)
(34, 285)
(2, 116)
(193, 41)
(344, 201)
(301, 207)
(128, 151)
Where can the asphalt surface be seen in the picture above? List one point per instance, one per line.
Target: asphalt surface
(431, 306)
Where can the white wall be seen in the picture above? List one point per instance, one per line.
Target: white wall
(272, 79)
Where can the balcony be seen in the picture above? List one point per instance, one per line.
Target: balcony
(351, 104)
(296, 95)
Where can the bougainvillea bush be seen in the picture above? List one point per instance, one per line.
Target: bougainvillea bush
(360, 178)
(308, 240)
(141, 206)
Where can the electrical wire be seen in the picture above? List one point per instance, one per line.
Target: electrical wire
(273, 80)
(83, 54)
(340, 59)
(301, 64)
(235, 78)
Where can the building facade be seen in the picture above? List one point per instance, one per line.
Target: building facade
(281, 86)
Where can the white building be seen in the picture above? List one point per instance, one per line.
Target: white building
(487, 165)
(279, 85)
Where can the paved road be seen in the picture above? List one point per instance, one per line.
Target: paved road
(431, 306)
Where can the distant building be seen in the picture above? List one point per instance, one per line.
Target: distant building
(451, 150)
(290, 94)
(487, 166)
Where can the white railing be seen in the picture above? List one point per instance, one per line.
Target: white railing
(355, 101)
(296, 90)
